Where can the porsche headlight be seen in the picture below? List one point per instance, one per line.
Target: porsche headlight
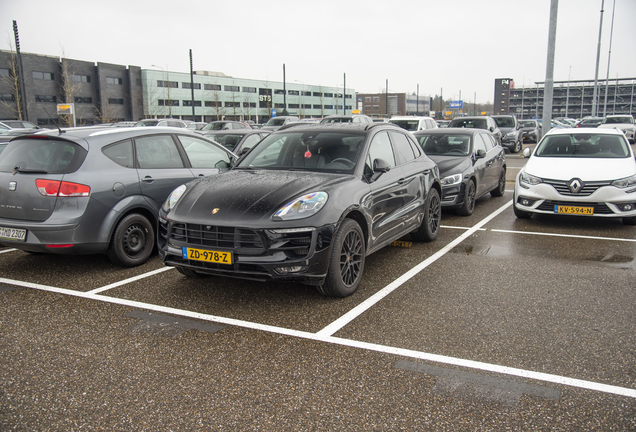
(302, 207)
(529, 179)
(174, 196)
(452, 180)
(624, 183)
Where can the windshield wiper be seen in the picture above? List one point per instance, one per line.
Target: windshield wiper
(30, 171)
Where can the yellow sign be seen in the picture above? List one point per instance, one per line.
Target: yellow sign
(355, 112)
(65, 108)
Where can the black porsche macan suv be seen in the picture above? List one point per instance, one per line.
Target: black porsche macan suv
(308, 203)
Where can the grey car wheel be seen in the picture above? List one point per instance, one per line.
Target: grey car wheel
(133, 241)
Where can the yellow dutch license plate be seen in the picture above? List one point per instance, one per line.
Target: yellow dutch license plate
(574, 210)
(207, 255)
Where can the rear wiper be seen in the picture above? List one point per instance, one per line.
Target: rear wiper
(30, 171)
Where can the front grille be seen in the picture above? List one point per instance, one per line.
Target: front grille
(216, 237)
(599, 208)
(588, 187)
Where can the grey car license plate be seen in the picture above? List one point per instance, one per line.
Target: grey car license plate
(13, 234)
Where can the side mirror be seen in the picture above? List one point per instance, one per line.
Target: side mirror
(492, 129)
(526, 152)
(381, 166)
(480, 154)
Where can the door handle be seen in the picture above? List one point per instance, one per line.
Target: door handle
(148, 179)
(401, 181)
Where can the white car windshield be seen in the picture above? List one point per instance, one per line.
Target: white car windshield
(583, 146)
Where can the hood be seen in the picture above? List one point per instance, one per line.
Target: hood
(586, 169)
(250, 196)
(505, 130)
(449, 165)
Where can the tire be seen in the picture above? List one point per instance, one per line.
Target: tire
(346, 262)
(469, 200)
(629, 221)
(518, 146)
(501, 186)
(429, 228)
(133, 241)
(520, 213)
(187, 272)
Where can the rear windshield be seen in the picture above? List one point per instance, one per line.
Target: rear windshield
(42, 156)
(410, 125)
(583, 146)
(468, 123)
(446, 144)
(505, 121)
(531, 123)
(275, 122)
(618, 120)
(214, 126)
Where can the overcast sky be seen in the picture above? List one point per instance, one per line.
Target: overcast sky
(459, 46)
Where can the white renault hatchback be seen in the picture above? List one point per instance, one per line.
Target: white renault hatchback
(585, 172)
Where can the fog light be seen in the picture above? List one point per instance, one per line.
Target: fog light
(627, 207)
(286, 270)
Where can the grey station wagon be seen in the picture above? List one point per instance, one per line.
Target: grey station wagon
(97, 190)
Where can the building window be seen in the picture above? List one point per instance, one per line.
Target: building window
(4, 73)
(376, 108)
(168, 102)
(43, 76)
(317, 106)
(44, 98)
(83, 100)
(307, 106)
(116, 101)
(170, 84)
(279, 105)
(293, 92)
(296, 106)
(328, 106)
(279, 91)
(306, 93)
(231, 88)
(328, 94)
(367, 99)
(212, 104)
(232, 104)
(188, 103)
(317, 94)
(211, 87)
(46, 122)
(186, 85)
(376, 98)
(117, 81)
(249, 89)
(249, 104)
(347, 96)
(6, 97)
(81, 78)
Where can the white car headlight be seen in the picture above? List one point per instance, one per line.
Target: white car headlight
(511, 134)
(173, 198)
(302, 207)
(625, 183)
(452, 180)
(528, 179)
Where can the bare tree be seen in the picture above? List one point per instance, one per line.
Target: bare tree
(68, 88)
(13, 82)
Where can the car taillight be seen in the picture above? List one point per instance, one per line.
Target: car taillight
(61, 188)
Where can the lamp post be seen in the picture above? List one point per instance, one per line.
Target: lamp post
(166, 84)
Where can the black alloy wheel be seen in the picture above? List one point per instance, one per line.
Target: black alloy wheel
(429, 228)
(501, 186)
(346, 262)
(133, 241)
(469, 200)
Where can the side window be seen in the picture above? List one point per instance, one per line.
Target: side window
(491, 139)
(479, 143)
(157, 151)
(203, 154)
(403, 150)
(487, 142)
(250, 141)
(121, 153)
(417, 151)
(380, 149)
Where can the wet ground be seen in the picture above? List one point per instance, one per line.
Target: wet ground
(501, 324)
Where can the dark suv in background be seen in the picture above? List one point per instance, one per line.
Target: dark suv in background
(97, 189)
(511, 134)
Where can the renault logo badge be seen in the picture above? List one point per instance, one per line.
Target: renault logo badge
(215, 211)
(13, 185)
(575, 186)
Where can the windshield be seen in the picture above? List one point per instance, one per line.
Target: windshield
(583, 146)
(445, 144)
(312, 151)
(337, 120)
(506, 122)
(618, 120)
(529, 124)
(214, 126)
(229, 141)
(468, 123)
(147, 123)
(410, 125)
(275, 122)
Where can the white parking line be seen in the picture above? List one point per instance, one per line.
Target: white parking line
(555, 379)
(129, 280)
(368, 303)
(544, 234)
(7, 250)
